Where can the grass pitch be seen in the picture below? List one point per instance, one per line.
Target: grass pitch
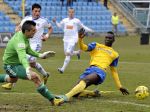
(133, 71)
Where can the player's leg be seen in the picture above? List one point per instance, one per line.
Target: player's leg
(68, 49)
(77, 53)
(92, 75)
(116, 29)
(89, 93)
(88, 80)
(10, 70)
(40, 69)
(41, 88)
(33, 62)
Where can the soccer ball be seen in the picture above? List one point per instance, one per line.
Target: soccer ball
(141, 92)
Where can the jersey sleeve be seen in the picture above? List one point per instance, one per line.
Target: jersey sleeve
(21, 51)
(115, 62)
(91, 46)
(47, 24)
(61, 24)
(32, 52)
(115, 76)
(23, 20)
(81, 25)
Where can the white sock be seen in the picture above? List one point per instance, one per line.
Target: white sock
(40, 69)
(66, 62)
(76, 52)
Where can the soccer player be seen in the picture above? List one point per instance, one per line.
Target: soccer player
(16, 64)
(36, 41)
(102, 58)
(70, 26)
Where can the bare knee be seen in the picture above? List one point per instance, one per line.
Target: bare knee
(11, 80)
(35, 78)
(33, 64)
(91, 79)
(88, 82)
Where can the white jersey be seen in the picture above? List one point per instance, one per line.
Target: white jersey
(71, 27)
(41, 23)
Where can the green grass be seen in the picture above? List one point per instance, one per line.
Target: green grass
(133, 68)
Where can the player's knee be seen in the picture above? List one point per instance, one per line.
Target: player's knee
(35, 78)
(68, 53)
(33, 64)
(88, 82)
(12, 80)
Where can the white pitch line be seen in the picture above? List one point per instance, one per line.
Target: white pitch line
(131, 103)
(124, 62)
(125, 102)
(110, 101)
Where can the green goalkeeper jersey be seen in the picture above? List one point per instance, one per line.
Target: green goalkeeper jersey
(16, 50)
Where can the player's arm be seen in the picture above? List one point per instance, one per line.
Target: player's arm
(83, 46)
(87, 29)
(117, 80)
(43, 55)
(81, 34)
(32, 52)
(115, 76)
(18, 28)
(19, 25)
(50, 30)
(59, 25)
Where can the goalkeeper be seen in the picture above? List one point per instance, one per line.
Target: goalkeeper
(35, 42)
(102, 57)
(16, 64)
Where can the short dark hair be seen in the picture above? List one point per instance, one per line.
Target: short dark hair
(35, 5)
(112, 33)
(27, 25)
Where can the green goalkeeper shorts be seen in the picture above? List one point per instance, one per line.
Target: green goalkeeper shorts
(16, 71)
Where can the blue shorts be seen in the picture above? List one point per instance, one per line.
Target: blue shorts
(94, 69)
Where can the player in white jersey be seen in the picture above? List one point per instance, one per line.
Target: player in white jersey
(36, 41)
(70, 26)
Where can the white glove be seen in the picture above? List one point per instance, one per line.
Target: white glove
(28, 73)
(47, 54)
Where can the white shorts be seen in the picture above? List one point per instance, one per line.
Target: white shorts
(34, 47)
(69, 47)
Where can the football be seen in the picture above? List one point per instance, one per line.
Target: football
(141, 92)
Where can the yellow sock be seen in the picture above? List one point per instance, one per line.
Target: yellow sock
(77, 89)
(86, 93)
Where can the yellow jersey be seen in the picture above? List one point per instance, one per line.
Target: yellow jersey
(102, 56)
(115, 20)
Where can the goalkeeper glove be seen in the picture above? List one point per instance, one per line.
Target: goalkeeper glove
(47, 54)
